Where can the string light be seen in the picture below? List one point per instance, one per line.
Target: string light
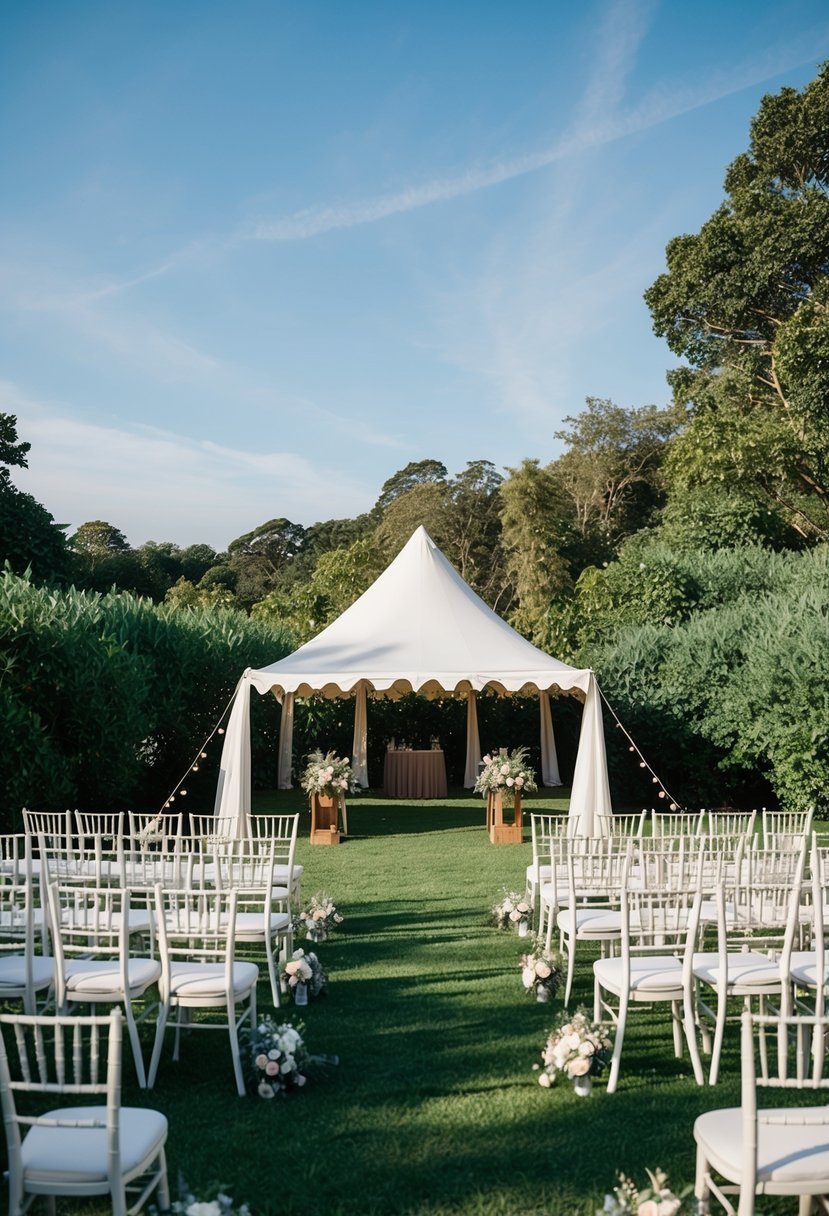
(662, 792)
(193, 767)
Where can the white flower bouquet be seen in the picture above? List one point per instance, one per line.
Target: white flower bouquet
(329, 775)
(576, 1047)
(304, 969)
(506, 773)
(278, 1057)
(656, 1200)
(541, 972)
(318, 918)
(511, 912)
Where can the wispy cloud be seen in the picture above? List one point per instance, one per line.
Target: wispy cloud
(597, 128)
(154, 483)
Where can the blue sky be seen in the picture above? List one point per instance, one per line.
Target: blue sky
(255, 257)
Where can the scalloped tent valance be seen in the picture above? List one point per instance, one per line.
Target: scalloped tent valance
(419, 628)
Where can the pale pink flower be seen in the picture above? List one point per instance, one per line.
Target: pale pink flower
(579, 1067)
(504, 769)
(542, 970)
(544, 1080)
(261, 1060)
(272, 1068)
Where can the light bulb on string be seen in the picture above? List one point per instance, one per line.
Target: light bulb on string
(183, 793)
(654, 780)
(204, 755)
(220, 731)
(642, 764)
(194, 769)
(661, 793)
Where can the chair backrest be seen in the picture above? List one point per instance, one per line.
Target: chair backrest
(594, 870)
(661, 918)
(270, 826)
(731, 823)
(59, 1055)
(780, 826)
(196, 924)
(153, 828)
(108, 825)
(57, 826)
(677, 823)
(621, 826)
(665, 861)
(15, 855)
(219, 827)
(543, 827)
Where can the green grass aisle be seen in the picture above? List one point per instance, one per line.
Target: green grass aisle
(434, 1107)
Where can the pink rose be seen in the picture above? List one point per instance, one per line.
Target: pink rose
(579, 1067)
(261, 1060)
(542, 970)
(272, 1068)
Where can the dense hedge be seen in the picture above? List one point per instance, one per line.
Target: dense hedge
(105, 699)
(732, 700)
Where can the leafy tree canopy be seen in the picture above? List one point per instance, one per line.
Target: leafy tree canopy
(745, 302)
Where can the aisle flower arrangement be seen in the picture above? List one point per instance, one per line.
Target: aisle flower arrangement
(188, 1205)
(577, 1048)
(304, 969)
(329, 775)
(319, 918)
(541, 972)
(655, 1200)
(507, 773)
(278, 1057)
(512, 911)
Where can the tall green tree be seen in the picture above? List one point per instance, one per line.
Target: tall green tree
(29, 536)
(535, 517)
(745, 301)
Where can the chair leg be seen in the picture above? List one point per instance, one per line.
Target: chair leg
(571, 966)
(163, 1183)
(702, 1192)
(135, 1043)
(234, 1050)
(272, 972)
(719, 1034)
(613, 1080)
(163, 1011)
(676, 1023)
(691, 1038)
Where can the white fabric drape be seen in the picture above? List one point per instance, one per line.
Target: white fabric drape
(473, 742)
(286, 744)
(590, 795)
(359, 751)
(549, 760)
(233, 789)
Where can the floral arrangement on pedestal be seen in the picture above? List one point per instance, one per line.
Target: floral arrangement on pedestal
(577, 1048)
(278, 1057)
(507, 773)
(512, 911)
(304, 974)
(319, 918)
(541, 972)
(329, 775)
(655, 1200)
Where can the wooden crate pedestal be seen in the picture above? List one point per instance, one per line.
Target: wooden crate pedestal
(500, 832)
(324, 819)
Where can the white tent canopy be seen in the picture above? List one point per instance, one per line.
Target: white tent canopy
(418, 628)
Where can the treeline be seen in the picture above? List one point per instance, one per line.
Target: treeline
(681, 551)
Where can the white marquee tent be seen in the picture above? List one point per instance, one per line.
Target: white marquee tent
(418, 628)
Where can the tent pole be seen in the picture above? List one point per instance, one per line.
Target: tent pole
(359, 750)
(549, 759)
(473, 742)
(286, 743)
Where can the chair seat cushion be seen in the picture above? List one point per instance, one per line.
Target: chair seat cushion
(13, 971)
(746, 970)
(659, 975)
(803, 968)
(251, 925)
(79, 1154)
(591, 922)
(103, 976)
(208, 979)
(555, 893)
(786, 1153)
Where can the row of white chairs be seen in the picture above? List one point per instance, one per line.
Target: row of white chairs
(111, 943)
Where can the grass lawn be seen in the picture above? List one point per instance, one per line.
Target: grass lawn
(434, 1107)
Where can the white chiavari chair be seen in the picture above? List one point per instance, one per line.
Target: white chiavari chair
(542, 827)
(76, 1150)
(199, 970)
(731, 823)
(621, 825)
(90, 932)
(23, 973)
(659, 926)
(755, 910)
(749, 1150)
(594, 885)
